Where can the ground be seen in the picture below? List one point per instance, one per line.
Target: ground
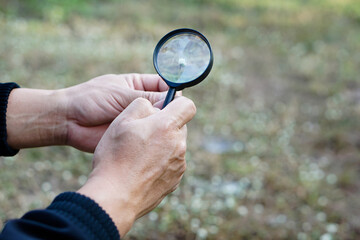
(274, 150)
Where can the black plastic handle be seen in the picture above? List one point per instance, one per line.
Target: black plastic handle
(169, 96)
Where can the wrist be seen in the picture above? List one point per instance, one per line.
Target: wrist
(86, 214)
(36, 118)
(117, 204)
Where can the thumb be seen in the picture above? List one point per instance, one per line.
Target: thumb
(179, 112)
(137, 109)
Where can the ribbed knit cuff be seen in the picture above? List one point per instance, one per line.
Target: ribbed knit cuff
(87, 214)
(5, 89)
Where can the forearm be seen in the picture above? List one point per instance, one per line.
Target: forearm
(36, 118)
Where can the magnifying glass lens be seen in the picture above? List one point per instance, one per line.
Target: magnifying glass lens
(183, 58)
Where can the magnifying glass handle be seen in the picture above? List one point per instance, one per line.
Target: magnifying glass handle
(169, 96)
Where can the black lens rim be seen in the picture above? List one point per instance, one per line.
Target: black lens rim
(180, 86)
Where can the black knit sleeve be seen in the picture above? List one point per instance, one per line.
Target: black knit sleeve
(5, 89)
(70, 216)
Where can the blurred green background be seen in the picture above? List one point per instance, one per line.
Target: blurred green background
(274, 150)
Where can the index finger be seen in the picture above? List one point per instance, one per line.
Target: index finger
(179, 112)
(150, 82)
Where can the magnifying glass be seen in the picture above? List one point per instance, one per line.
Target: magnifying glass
(182, 58)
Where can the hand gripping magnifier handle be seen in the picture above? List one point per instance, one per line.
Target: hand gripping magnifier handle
(169, 97)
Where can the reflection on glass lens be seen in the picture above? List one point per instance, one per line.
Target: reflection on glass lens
(183, 58)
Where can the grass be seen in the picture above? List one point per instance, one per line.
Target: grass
(274, 148)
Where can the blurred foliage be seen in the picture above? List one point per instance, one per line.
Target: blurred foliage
(63, 9)
(273, 152)
(47, 10)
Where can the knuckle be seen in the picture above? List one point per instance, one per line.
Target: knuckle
(136, 76)
(175, 187)
(183, 168)
(190, 106)
(133, 77)
(182, 148)
(110, 76)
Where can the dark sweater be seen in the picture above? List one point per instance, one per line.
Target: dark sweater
(69, 216)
